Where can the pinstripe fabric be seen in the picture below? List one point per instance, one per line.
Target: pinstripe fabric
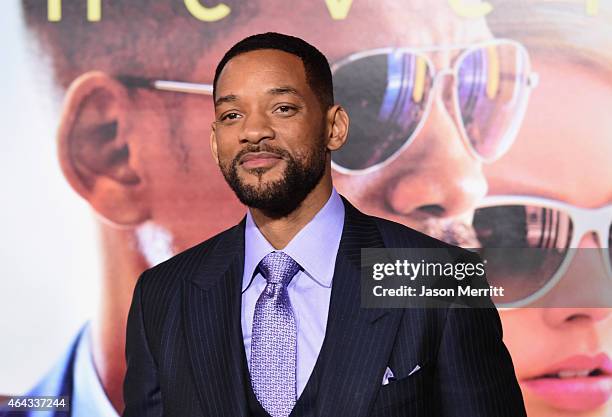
(186, 356)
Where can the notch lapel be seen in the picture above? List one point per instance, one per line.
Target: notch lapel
(212, 303)
(358, 341)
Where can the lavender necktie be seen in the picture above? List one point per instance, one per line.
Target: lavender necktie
(274, 338)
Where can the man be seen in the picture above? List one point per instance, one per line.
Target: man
(264, 319)
(136, 154)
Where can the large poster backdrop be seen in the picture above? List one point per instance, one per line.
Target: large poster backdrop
(485, 124)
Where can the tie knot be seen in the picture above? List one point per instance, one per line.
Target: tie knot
(278, 267)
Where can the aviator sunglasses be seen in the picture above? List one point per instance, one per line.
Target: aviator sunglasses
(389, 93)
(529, 242)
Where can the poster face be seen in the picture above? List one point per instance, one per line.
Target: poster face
(485, 124)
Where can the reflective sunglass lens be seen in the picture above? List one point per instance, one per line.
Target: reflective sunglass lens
(386, 96)
(524, 246)
(492, 94)
(610, 244)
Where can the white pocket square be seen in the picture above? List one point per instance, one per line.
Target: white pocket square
(390, 377)
(416, 369)
(387, 376)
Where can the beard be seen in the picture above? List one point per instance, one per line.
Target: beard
(278, 198)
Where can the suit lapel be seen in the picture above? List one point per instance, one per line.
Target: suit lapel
(212, 327)
(358, 341)
(357, 344)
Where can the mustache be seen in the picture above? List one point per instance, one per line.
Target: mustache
(265, 147)
(454, 232)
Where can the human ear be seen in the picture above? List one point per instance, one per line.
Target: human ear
(338, 125)
(95, 149)
(213, 143)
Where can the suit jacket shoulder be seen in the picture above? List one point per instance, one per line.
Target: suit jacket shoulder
(200, 260)
(197, 256)
(159, 288)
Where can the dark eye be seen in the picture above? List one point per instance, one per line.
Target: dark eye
(285, 109)
(230, 116)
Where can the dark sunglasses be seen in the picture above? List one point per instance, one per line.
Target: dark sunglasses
(529, 243)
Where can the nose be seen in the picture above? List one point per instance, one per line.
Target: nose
(255, 128)
(436, 175)
(569, 317)
(583, 294)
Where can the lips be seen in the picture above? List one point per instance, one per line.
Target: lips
(259, 160)
(580, 383)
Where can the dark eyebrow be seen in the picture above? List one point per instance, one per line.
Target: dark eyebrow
(230, 98)
(285, 90)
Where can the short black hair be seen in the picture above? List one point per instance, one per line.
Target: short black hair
(316, 66)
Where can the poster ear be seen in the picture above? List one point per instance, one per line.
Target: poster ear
(94, 149)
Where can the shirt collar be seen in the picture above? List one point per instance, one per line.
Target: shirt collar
(88, 397)
(314, 247)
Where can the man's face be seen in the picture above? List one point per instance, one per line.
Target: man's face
(269, 131)
(435, 181)
(430, 184)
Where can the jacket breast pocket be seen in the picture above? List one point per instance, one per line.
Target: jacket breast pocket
(404, 395)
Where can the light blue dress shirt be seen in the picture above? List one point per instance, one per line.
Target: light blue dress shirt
(88, 396)
(315, 248)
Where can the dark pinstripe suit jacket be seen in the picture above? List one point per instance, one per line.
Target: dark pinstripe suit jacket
(185, 352)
